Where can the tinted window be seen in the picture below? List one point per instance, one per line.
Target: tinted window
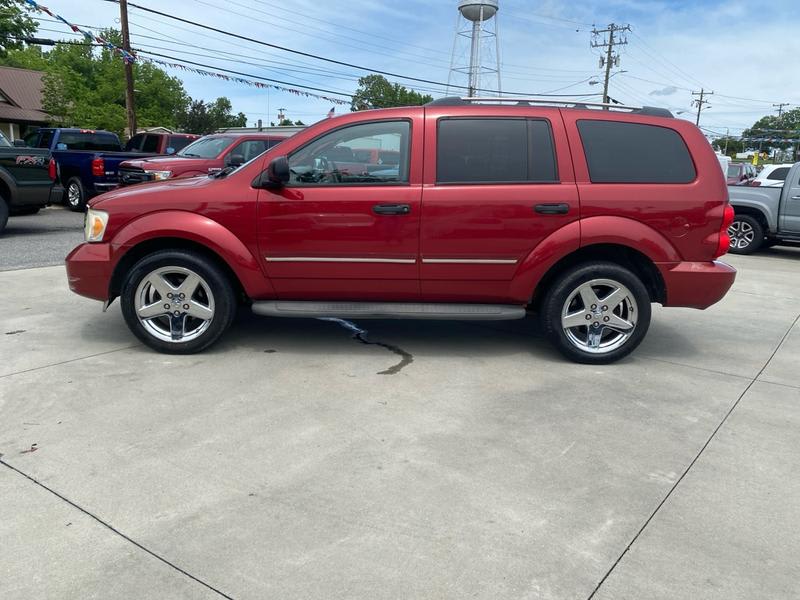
(150, 143)
(76, 140)
(351, 156)
(247, 151)
(733, 171)
(135, 143)
(178, 142)
(634, 153)
(494, 150)
(31, 139)
(779, 174)
(272, 143)
(46, 139)
(206, 147)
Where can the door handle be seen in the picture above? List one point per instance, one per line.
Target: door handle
(552, 209)
(795, 198)
(391, 209)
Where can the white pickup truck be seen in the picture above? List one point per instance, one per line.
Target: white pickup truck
(765, 215)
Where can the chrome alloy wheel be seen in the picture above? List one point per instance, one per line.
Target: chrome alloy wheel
(174, 304)
(73, 195)
(741, 234)
(599, 316)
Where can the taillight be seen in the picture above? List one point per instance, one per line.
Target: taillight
(98, 167)
(724, 243)
(51, 170)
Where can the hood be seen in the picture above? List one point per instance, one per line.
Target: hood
(168, 163)
(156, 191)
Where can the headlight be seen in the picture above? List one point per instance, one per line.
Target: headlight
(95, 225)
(159, 175)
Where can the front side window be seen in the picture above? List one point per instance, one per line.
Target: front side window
(619, 152)
(486, 150)
(206, 147)
(352, 156)
(246, 151)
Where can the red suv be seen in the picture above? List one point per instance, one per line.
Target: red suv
(582, 214)
(206, 155)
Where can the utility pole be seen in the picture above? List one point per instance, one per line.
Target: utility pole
(130, 107)
(700, 102)
(780, 106)
(727, 135)
(611, 58)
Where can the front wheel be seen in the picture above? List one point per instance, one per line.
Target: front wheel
(177, 301)
(746, 233)
(596, 313)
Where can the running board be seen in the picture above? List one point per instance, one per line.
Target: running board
(390, 310)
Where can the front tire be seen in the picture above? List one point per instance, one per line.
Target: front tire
(746, 233)
(3, 214)
(177, 301)
(75, 195)
(596, 313)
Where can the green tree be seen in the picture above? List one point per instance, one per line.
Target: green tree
(203, 118)
(290, 123)
(787, 126)
(730, 145)
(14, 23)
(375, 91)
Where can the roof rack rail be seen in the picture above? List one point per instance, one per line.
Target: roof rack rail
(651, 111)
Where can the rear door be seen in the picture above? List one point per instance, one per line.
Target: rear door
(495, 187)
(790, 211)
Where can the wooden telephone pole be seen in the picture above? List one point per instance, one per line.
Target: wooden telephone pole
(130, 107)
(611, 58)
(700, 102)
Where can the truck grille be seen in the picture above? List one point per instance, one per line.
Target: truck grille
(134, 176)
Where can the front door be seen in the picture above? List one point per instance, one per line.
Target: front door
(346, 227)
(495, 187)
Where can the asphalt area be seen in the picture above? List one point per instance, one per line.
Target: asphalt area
(389, 459)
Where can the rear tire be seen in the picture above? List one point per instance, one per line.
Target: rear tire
(596, 313)
(3, 214)
(75, 195)
(746, 233)
(177, 301)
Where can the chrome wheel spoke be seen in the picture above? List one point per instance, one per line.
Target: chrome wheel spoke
(157, 282)
(618, 323)
(575, 319)
(156, 309)
(613, 300)
(177, 326)
(588, 297)
(198, 311)
(189, 285)
(594, 336)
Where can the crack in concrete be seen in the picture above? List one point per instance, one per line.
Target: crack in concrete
(406, 358)
(115, 530)
(694, 460)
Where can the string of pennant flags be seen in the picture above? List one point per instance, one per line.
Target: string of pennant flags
(130, 58)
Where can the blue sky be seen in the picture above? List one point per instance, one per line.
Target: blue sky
(744, 51)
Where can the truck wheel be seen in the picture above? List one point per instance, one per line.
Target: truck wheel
(3, 213)
(596, 313)
(177, 301)
(74, 195)
(746, 233)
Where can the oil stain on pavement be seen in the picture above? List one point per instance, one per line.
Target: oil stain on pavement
(360, 335)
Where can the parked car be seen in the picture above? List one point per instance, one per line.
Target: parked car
(582, 215)
(26, 180)
(765, 214)
(740, 173)
(87, 160)
(771, 176)
(206, 155)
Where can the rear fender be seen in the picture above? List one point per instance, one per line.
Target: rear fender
(630, 233)
(201, 230)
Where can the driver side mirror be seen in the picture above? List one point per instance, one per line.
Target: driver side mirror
(276, 175)
(235, 160)
(19, 144)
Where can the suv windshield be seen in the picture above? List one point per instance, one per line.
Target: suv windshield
(4, 143)
(207, 147)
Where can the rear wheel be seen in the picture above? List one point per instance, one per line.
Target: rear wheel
(3, 213)
(177, 301)
(746, 233)
(596, 313)
(74, 195)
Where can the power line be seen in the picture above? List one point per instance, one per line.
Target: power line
(611, 58)
(700, 102)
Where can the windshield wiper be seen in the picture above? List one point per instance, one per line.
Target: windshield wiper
(223, 172)
(189, 154)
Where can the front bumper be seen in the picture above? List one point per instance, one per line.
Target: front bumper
(696, 284)
(89, 270)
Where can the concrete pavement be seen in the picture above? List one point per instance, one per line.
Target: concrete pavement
(282, 464)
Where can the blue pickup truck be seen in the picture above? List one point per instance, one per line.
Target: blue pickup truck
(87, 161)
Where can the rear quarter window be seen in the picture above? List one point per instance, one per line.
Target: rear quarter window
(779, 174)
(618, 152)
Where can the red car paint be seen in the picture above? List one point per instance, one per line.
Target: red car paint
(181, 165)
(678, 228)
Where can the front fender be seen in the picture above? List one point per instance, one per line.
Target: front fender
(201, 230)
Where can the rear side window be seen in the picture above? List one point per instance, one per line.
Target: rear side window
(178, 142)
(151, 143)
(89, 141)
(635, 153)
(494, 151)
(779, 174)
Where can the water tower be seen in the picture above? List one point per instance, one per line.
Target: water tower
(475, 62)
